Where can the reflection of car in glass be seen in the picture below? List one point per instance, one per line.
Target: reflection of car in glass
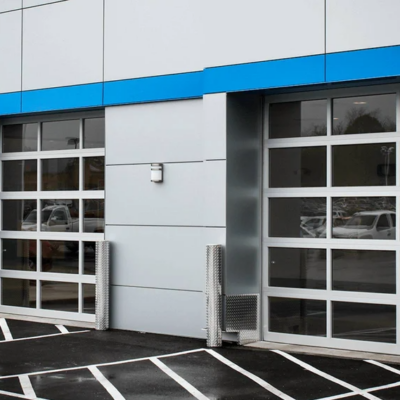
(47, 255)
(368, 225)
(312, 226)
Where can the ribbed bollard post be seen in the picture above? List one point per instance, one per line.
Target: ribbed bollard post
(214, 295)
(102, 285)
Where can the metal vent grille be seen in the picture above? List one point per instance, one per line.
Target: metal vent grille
(102, 285)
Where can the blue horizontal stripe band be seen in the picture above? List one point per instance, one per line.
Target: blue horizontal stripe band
(301, 71)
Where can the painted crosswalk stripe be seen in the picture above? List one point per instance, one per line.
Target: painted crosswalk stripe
(178, 379)
(27, 387)
(249, 375)
(326, 376)
(111, 389)
(62, 328)
(6, 330)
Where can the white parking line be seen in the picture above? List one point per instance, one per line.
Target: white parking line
(6, 330)
(111, 389)
(327, 376)
(178, 379)
(62, 328)
(27, 386)
(40, 337)
(378, 364)
(249, 375)
(19, 396)
(101, 365)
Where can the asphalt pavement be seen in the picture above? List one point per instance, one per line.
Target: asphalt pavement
(42, 361)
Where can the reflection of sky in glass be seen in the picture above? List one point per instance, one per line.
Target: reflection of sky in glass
(60, 135)
(382, 108)
(313, 118)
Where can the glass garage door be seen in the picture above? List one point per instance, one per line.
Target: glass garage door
(331, 239)
(52, 212)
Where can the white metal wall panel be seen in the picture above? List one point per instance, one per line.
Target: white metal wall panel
(63, 44)
(9, 5)
(161, 257)
(215, 193)
(214, 107)
(132, 199)
(10, 45)
(360, 24)
(158, 37)
(257, 30)
(171, 312)
(157, 132)
(32, 3)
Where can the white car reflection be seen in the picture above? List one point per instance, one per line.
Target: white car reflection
(368, 225)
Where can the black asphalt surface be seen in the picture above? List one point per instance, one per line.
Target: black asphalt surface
(84, 364)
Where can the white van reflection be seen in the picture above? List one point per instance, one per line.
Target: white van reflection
(368, 225)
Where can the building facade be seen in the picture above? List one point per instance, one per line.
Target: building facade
(276, 126)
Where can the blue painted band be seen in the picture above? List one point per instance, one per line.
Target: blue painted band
(158, 88)
(363, 64)
(336, 67)
(63, 98)
(10, 103)
(265, 75)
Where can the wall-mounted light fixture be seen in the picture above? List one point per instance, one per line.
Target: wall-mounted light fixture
(157, 173)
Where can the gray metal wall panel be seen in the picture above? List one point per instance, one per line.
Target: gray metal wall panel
(160, 257)
(171, 312)
(157, 132)
(215, 193)
(9, 5)
(132, 199)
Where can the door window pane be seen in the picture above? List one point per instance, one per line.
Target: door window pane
(19, 215)
(297, 268)
(298, 167)
(60, 296)
(94, 216)
(60, 174)
(364, 218)
(18, 292)
(94, 133)
(89, 258)
(364, 114)
(297, 118)
(372, 322)
(364, 165)
(60, 135)
(60, 215)
(21, 137)
(364, 270)
(297, 316)
(94, 173)
(19, 254)
(288, 217)
(60, 256)
(20, 176)
(89, 298)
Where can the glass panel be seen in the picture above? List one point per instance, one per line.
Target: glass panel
(298, 167)
(364, 165)
(89, 298)
(297, 316)
(364, 218)
(60, 135)
(364, 114)
(60, 174)
(94, 216)
(20, 176)
(297, 268)
(94, 173)
(19, 215)
(60, 215)
(19, 254)
(60, 296)
(60, 256)
(297, 118)
(288, 217)
(89, 260)
(22, 137)
(18, 292)
(94, 133)
(364, 271)
(372, 322)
